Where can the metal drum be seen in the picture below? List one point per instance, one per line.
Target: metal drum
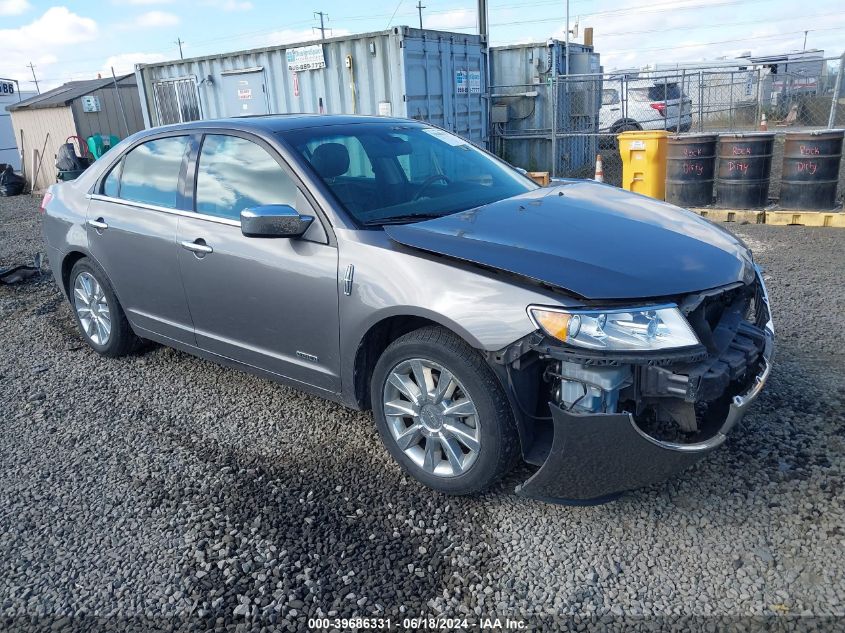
(811, 169)
(690, 165)
(745, 163)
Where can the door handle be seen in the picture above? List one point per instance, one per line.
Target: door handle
(197, 246)
(98, 224)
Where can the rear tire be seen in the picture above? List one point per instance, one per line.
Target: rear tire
(457, 435)
(97, 311)
(626, 126)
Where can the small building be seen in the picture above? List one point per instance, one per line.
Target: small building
(44, 122)
(434, 76)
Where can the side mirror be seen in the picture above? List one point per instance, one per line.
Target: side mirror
(274, 220)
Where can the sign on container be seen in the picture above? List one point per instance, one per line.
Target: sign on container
(306, 57)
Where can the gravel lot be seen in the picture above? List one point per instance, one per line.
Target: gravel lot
(160, 488)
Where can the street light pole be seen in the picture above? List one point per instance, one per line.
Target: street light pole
(566, 63)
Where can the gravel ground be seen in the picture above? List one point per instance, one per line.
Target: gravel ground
(160, 488)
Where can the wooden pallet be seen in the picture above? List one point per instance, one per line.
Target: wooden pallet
(745, 216)
(806, 218)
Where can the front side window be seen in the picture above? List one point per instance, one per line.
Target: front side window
(235, 174)
(384, 172)
(151, 172)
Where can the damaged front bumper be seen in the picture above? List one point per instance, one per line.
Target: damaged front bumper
(595, 456)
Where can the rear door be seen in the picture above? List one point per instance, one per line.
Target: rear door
(270, 303)
(132, 222)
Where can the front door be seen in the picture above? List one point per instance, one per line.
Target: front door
(270, 303)
(132, 234)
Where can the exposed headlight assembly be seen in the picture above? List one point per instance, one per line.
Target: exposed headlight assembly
(618, 330)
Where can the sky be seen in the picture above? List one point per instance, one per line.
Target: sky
(78, 40)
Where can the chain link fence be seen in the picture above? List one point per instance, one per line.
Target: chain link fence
(560, 124)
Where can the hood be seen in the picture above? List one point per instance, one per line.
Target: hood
(590, 239)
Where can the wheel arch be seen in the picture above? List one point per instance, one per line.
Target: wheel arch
(68, 262)
(382, 333)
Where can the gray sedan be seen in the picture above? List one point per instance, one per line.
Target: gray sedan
(607, 339)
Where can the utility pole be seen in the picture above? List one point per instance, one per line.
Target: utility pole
(566, 63)
(34, 78)
(322, 26)
(420, 7)
(179, 42)
(483, 24)
(805, 39)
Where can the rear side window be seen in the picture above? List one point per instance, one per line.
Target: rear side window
(609, 97)
(111, 185)
(657, 92)
(235, 174)
(151, 172)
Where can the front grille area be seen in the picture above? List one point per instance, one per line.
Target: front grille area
(687, 402)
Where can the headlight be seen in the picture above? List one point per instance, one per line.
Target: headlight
(625, 330)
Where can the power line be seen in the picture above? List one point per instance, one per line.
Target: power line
(398, 4)
(714, 26)
(741, 39)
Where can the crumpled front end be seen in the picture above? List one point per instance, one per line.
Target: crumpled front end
(618, 422)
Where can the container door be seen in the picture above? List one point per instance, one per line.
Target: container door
(245, 93)
(444, 84)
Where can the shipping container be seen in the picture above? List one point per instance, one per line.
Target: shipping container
(9, 95)
(432, 76)
(525, 96)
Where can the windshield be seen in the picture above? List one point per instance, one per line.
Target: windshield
(384, 172)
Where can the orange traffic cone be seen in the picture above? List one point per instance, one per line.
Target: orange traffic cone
(764, 124)
(599, 169)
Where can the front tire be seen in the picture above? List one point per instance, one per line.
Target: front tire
(441, 412)
(98, 313)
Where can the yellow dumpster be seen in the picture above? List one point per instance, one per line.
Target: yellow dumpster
(644, 162)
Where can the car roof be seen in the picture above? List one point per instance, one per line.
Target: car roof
(284, 122)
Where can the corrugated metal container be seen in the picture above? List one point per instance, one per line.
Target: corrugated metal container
(428, 75)
(521, 78)
(9, 152)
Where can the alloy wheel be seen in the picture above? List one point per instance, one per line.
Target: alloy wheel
(92, 308)
(432, 417)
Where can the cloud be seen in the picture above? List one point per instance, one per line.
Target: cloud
(457, 19)
(293, 36)
(143, 2)
(58, 26)
(43, 42)
(154, 19)
(230, 5)
(125, 62)
(14, 7)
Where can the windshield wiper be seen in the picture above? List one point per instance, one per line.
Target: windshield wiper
(402, 219)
